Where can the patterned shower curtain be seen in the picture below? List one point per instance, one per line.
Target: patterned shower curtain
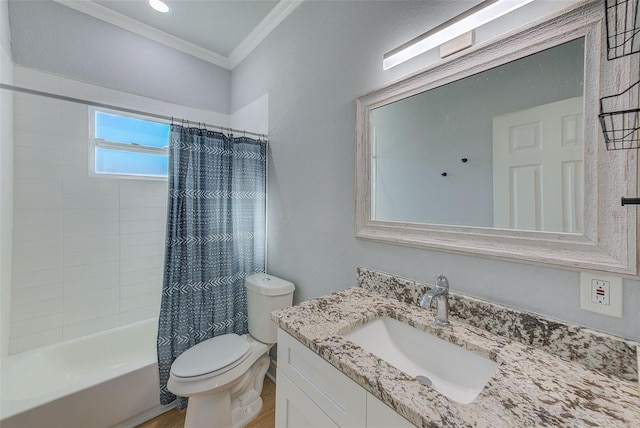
(215, 237)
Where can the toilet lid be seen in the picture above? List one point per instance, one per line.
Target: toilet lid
(210, 355)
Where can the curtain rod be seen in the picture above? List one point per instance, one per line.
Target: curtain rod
(125, 110)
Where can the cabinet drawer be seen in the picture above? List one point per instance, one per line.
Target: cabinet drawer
(379, 415)
(343, 400)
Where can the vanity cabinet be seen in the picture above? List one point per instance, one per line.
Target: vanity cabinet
(310, 392)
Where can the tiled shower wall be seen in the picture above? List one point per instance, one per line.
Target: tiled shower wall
(87, 251)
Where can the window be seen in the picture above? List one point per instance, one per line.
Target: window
(127, 145)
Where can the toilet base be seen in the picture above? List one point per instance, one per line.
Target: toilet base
(231, 407)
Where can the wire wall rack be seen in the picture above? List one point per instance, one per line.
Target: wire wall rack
(620, 113)
(620, 119)
(622, 20)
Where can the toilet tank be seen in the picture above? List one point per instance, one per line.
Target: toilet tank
(265, 294)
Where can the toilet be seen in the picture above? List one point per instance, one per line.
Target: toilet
(223, 376)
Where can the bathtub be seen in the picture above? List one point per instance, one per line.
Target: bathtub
(102, 380)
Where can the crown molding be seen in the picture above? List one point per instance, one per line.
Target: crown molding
(279, 13)
(268, 24)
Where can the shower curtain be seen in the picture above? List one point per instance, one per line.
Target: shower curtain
(215, 237)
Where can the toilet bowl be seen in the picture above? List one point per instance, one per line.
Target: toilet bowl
(223, 376)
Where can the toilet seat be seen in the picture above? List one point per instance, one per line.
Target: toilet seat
(211, 357)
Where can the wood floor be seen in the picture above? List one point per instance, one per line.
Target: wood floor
(266, 418)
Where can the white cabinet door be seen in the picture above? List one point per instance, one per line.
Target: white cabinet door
(331, 390)
(295, 410)
(379, 415)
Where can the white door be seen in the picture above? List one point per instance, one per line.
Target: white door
(538, 168)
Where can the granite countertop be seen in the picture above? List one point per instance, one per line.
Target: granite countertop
(531, 387)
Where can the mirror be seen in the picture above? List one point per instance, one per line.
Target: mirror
(506, 142)
(497, 152)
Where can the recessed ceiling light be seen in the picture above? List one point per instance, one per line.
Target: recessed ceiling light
(159, 5)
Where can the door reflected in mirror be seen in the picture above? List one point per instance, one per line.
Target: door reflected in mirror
(500, 149)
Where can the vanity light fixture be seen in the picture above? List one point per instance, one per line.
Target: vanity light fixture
(473, 18)
(159, 5)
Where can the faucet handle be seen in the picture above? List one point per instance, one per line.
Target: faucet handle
(442, 282)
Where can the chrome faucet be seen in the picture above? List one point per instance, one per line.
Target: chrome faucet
(440, 295)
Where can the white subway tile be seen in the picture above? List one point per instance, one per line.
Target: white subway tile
(141, 187)
(36, 309)
(32, 105)
(87, 91)
(134, 239)
(75, 173)
(40, 140)
(47, 171)
(144, 263)
(144, 213)
(36, 155)
(37, 262)
(92, 298)
(143, 226)
(97, 216)
(75, 144)
(139, 301)
(74, 113)
(138, 102)
(37, 80)
(104, 309)
(92, 186)
(86, 243)
(139, 276)
(31, 201)
(34, 186)
(75, 131)
(85, 257)
(75, 157)
(36, 232)
(140, 314)
(140, 289)
(36, 278)
(36, 248)
(33, 341)
(89, 272)
(36, 294)
(29, 217)
(25, 122)
(89, 327)
(92, 284)
(78, 229)
(142, 251)
(95, 202)
(144, 201)
(36, 325)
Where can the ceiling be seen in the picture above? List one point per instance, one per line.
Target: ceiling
(222, 32)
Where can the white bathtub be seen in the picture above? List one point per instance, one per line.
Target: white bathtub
(102, 380)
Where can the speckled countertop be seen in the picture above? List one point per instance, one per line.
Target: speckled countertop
(532, 387)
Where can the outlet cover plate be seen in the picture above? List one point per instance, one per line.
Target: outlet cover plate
(614, 308)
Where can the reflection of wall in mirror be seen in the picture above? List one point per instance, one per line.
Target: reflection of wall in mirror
(418, 138)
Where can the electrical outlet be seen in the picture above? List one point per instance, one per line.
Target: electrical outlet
(601, 294)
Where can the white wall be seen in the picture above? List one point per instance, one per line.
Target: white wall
(6, 178)
(88, 252)
(313, 66)
(51, 37)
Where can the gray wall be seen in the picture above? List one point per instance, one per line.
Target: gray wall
(313, 66)
(50, 37)
(6, 181)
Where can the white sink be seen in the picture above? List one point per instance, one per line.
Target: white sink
(451, 370)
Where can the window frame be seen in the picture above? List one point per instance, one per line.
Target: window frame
(96, 143)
